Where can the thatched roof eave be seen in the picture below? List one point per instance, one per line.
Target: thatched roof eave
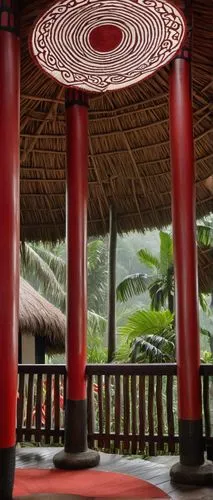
(40, 318)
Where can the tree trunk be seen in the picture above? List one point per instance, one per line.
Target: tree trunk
(112, 285)
(171, 302)
(211, 305)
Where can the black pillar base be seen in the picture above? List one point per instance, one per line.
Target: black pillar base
(191, 442)
(75, 461)
(191, 469)
(76, 454)
(7, 472)
(197, 476)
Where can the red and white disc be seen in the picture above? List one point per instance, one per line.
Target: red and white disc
(100, 45)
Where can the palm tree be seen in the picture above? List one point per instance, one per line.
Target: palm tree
(44, 266)
(160, 283)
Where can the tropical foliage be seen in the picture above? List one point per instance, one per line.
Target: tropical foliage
(148, 336)
(159, 283)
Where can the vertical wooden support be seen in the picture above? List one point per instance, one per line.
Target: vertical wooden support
(9, 238)
(112, 285)
(76, 454)
(185, 260)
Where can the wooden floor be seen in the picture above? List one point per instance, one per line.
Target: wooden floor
(155, 470)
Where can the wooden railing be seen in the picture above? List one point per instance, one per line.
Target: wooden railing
(131, 408)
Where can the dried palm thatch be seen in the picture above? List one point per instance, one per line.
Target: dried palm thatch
(205, 269)
(129, 157)
(38, 317)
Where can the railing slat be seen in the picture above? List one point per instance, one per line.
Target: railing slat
(126, 412)
(100, 410)
(159, 404)
(29, 406)
(117, 411)
(170, 414)
(151, 414)
(206, 406)
(134, 413)
(20, 409)
(90, 411)
(142, 412)
(56, 407)
(38, 408)
(48, 407)
(107, 410)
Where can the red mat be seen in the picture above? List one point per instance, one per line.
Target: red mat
(86, 483)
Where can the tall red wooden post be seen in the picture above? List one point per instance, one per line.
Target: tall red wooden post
(9, 239)
(185, 259)
(76, 454)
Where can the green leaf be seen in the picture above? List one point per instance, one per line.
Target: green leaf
(205, 235)
(148, 259)
(203, 302)
(166, 252)
(147, 322)
(135, 284)
(152, 348)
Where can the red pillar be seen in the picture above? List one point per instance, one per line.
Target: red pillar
(9, 240)
(185, 258)
(76, 453)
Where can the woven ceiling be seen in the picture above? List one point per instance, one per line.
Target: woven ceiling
(129, 157)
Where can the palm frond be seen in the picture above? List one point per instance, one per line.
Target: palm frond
(152, 348)
(34, 268)
(147, 322)
(160, 290)
(95, 250)
(148, 259)
(96, 323)
(158, 294)
(56, 263)
(96, 351)
(135, 284)
(166, 251)
(205, 235)
(203, 303)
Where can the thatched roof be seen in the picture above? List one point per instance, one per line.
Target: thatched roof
(38, 317)
(129, 157)
(205, 267)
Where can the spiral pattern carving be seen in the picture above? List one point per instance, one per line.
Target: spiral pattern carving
(71, 41)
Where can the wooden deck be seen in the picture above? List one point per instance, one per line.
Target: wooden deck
(155, 470)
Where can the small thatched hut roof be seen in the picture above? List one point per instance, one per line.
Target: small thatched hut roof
(38, 317)
(129, 157)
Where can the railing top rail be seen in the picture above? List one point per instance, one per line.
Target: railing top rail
(105, 369)
(206, 369)
(39, 369)
(114, 369)
(132, 369)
